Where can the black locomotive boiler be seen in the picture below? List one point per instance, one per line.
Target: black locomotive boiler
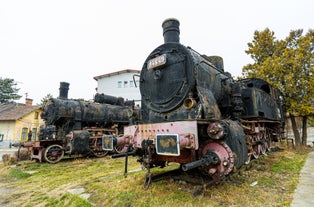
(195, 114)
(81, 127)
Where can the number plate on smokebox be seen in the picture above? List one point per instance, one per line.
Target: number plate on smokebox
(157, 62)
(168, 144)
(107, 142)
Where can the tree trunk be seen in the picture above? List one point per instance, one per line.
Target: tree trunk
(295, 130)
(304, 130)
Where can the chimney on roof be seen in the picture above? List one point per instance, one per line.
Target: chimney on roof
(28, 102)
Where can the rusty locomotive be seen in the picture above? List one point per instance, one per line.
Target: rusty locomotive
(195, 114)
(78, 127)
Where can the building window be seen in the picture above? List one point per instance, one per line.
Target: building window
(131, 84)
(36, 115)
(125, 84)
(119, 84)
(24, 133)
(34, 133)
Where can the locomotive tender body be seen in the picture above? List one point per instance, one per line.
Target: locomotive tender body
(261, 100)
(195, 114)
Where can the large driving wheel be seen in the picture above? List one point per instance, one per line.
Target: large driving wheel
(100, 153)
(53, 153)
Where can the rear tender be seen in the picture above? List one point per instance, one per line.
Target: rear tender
(260, 100)
(262, 116)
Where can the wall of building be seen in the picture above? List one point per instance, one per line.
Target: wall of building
(30, 121)
(7, 128)
(120, 85)
(12, 130)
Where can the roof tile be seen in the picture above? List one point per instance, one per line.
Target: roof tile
(14, 111)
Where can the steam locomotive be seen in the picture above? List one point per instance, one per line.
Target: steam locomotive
(80, 127)
(194, 113)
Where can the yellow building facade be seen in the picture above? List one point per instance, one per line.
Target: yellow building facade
(18, 120)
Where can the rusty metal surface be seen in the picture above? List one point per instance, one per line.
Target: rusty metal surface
(83, 111)
(261, 100)
(79, 143)
(78, 126)
(226, 159)
(187, 131)
(164, 89)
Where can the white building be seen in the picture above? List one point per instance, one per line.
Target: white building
(123, 83)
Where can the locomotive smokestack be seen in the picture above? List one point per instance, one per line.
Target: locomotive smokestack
(63, 90)
(171, 30)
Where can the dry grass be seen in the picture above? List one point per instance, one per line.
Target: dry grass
(34, 184)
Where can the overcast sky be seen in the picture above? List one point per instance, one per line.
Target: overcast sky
(45, 42)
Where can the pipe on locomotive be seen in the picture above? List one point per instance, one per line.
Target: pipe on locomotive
(113, 100)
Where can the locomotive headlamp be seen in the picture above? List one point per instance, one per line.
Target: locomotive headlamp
(107, 142)
(157, 62)
(168, 144)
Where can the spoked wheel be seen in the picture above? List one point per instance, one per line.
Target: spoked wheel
(100, 153)
(53, 153)
(268, 145)
(256, 151)
(264, 147)
(119, 149)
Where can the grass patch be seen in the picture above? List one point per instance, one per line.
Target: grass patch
(17, 173)
(72, 200)
(288, 164)
(276, 177)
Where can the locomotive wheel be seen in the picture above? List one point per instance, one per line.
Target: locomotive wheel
(119, 149)
(264, 148)
(101, 153)
(53, 153)
(256, 151)
(268, 145)
(122, 149)
(226, 157)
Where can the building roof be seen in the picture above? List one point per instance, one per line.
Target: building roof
(117, 73)
(15, 111)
